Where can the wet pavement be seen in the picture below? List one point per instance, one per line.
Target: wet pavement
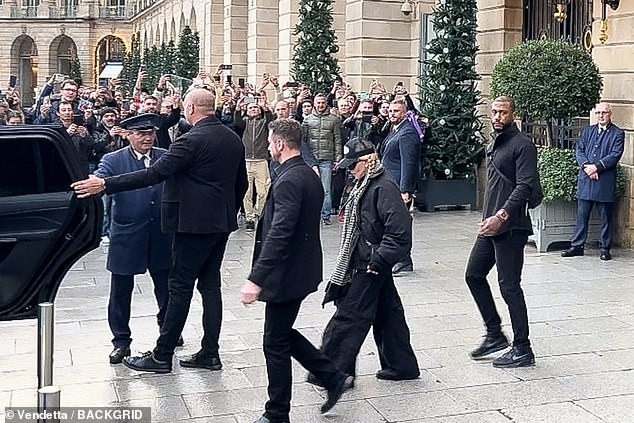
(582, 329)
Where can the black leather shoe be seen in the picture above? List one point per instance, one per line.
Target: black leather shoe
(403, 266)
(313, 380)
(335, 393)
(605, 256)
(265, 420)
(180, 341)
(200, 361)
(515, 357)
(147, 363)
(116, 356)
(389, 374)
(490, 345)
(572, 252)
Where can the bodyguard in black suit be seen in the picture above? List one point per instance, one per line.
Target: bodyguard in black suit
(206, 180)
(287, 266)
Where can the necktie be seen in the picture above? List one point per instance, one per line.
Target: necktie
(146, 161)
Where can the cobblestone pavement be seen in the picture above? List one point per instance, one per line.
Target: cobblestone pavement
(582, 327)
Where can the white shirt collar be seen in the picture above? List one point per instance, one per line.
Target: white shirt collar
(139, 156)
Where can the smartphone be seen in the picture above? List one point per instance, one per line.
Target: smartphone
(229, 79)
(335, 103)
(367, 117)
(226, 67)
(399, 84)
(292, 84)
(84, 105)
(249, 99)
(125, 104)
(363, 95)
(241, 82)
(13, 80)
(217, 78)
(78, 120)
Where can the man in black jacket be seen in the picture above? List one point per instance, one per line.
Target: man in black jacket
(287, 266)
(503, 233)
(206, 180)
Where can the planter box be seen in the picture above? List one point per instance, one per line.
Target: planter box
(554, 221)
(433, 193)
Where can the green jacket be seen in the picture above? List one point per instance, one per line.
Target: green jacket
(322, 133)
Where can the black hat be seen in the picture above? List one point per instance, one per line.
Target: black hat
(142, 122)
(354, 149)
(107, 110)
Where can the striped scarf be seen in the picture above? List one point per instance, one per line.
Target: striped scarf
(342, 274)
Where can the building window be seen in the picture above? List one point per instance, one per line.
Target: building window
(427, 34)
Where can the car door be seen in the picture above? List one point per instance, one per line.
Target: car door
(44, 227)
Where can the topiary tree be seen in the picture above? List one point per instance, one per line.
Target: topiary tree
(449, 94)
(131, 63)
(314, 62)
(549, 79)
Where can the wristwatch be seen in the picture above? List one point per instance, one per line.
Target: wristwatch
(502, 215)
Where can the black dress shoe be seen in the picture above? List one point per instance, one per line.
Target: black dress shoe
(335, 393)
(116, 356)
(180, 341)
(572, 252)
(200, 361)
(605, 256)
(490, 345)
(147, 363)
(389, 374)
(313, 380)
(265, 420)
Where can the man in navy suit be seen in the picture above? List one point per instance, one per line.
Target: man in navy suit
(400, 154)
(136, 241)
(598, 153)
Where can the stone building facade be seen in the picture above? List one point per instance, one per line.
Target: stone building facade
(376, 41)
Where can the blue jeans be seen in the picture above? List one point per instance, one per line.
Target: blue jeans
(584, 207)
(325, 173)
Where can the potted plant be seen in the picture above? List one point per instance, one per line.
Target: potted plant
(449, 99)
(554, 220)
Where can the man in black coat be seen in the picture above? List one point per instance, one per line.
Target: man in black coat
(287, 266)
(206, 180)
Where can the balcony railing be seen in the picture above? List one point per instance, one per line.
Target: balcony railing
(115, 12)
(24, 12)
(63, 12)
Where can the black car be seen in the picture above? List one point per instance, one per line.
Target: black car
(44, 227)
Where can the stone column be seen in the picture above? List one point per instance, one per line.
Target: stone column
(262, 39)
(615, 60)
(235, 36)
(339, 25)
(380, 43)
(215, 42)
(288, 17)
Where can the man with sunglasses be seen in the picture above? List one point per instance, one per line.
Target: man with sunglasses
(598, 153)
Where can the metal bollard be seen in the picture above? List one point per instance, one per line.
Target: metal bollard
(48, 398)
(45, 333)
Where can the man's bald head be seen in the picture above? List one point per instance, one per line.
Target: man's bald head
(199, 104)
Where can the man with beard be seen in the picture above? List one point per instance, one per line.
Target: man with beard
(503, 233)
(322, 132)
(206, 180)
(169, 119)
(287, 267)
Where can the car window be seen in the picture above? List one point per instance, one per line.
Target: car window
(31, 167)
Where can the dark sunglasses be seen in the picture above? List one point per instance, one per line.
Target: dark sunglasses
(353, 165)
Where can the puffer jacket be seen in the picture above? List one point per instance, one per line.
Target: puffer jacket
(385, 230)
(256, 134)
(322, 132)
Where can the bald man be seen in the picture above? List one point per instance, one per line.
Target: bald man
(205, 181)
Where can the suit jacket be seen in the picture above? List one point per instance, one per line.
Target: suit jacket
(604, 151)
(287, 258)
(400, 156)
(206, 179)
(136, 241)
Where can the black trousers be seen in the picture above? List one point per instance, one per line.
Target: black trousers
(120, 302)
(281, 342)
(584, 208)
(506, 252)
(371, 300)
(195, 256)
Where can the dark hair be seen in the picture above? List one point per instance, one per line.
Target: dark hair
(15, 113)
(506, 99)
(63, 103)
(289, 130)
(68, 82)
(150, 97)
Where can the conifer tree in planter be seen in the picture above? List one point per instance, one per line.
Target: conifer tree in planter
(314, 62)
(449, 99)
(188, 57)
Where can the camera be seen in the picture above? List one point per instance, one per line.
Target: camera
(406, 8)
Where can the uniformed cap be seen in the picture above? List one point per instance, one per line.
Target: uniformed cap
(354, 149)
(142, 123)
